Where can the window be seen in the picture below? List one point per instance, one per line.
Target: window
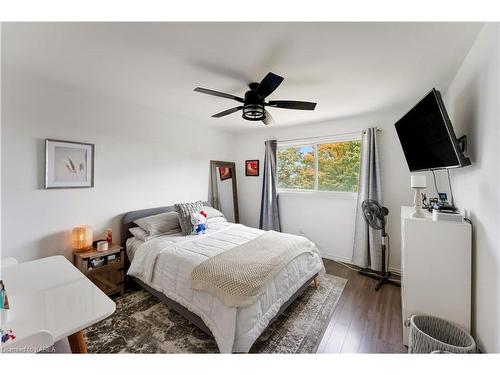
(328, 165)
(296, 167)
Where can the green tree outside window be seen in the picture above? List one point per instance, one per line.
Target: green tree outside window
(337, 166)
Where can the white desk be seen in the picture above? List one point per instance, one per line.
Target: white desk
(51, 294)
(435, 269)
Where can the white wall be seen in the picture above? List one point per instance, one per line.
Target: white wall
(143, 159)
(473, 102)
(328, 219)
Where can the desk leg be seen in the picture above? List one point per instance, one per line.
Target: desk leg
(77, 343)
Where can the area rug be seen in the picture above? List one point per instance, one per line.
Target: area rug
(143, 324)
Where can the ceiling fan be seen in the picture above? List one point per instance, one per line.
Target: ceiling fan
(253, 105)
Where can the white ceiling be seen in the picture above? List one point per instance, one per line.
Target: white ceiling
(348, 68)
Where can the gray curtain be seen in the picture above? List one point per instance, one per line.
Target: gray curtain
(367, 251)
(269, 209)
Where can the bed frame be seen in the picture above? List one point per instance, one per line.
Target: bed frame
(128, 222)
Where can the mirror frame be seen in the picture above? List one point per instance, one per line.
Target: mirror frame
(213, 181)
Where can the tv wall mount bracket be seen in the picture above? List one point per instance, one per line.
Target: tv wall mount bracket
(462, 142)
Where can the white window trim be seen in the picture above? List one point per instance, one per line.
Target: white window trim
(314, 142)
(331, 193)
(320, 140)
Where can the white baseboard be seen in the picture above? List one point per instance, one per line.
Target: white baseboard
(395, 270)
(349, 261)
(337, 258)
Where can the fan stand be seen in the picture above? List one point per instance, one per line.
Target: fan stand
(383, 276)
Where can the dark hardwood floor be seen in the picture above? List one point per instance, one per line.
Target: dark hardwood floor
(365, 320)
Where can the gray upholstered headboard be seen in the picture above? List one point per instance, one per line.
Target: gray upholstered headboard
(129, 217)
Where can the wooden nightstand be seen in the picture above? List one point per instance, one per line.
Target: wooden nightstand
(108, 276)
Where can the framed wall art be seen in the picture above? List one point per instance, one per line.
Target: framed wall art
(251, 167)
(224, 173)
(68, 164)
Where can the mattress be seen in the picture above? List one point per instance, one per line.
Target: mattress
(165, 263)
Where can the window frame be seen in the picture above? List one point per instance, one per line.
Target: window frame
(314, 142)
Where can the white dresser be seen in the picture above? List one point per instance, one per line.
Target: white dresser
(435, 269)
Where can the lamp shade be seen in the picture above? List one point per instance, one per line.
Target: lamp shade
(418, 181)
(81, 238)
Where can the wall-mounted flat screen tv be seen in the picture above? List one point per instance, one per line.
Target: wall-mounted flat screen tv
(427, 136)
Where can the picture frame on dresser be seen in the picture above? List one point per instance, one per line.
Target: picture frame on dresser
(68, 164)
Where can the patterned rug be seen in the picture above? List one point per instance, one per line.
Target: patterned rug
(143, 324)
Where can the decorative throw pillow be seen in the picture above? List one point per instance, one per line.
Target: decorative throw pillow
(185, 210)
(158, 224)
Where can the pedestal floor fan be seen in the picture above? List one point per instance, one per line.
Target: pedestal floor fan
(375, 215)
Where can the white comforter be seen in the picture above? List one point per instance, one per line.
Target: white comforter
(165, 263)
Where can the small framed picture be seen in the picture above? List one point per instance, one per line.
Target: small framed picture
(251, 167)
(68, 164)
(224, 173)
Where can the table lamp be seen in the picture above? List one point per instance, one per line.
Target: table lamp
(81, 238)
(418, 182)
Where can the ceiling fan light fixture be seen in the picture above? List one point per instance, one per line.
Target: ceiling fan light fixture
(254, 112)
(254, 102)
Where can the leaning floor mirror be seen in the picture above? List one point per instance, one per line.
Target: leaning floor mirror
(223, 189)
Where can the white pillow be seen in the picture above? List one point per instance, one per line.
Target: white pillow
(168, 233)
(219, 219)
(158, 224)
(142, 235)
(139, 233)
(212, 212)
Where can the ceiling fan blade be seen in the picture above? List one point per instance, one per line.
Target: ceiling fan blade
(268, 120)
(292, 104)
(223, 70)
(270, 82)
(218, 93)
(228, 111)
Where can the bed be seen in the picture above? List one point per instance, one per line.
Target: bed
(163, 267)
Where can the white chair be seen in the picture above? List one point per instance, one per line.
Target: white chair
(32, 344)
(8, 262)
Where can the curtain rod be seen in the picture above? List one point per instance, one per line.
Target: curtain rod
(325, 136)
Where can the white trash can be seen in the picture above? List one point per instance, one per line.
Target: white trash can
(430, 334)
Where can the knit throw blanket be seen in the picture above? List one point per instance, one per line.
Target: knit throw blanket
(239, 276)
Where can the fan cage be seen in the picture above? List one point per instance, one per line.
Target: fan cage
(374, 213)
(254, 112)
